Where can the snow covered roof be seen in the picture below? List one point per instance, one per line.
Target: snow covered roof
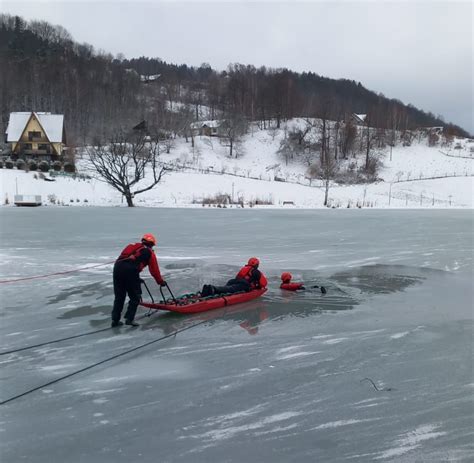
(151, 78)
(361, 116)
(51, 123)
(211, 124)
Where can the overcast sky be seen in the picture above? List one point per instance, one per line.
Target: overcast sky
(418, 52)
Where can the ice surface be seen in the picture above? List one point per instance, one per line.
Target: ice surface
(278, 379)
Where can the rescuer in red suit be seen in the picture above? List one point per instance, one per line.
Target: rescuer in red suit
(288, 285)
(248, 278)
(132, 260)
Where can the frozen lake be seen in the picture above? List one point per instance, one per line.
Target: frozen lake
(378, 369)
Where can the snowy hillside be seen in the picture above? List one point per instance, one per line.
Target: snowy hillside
(411, 176)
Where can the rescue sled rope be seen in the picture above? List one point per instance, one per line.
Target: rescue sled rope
(62, 339)
(46, 275)
(57, 380)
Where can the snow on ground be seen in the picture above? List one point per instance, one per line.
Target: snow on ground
(208, 171)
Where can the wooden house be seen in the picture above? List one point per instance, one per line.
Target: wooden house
(37, 135)
(209, 128)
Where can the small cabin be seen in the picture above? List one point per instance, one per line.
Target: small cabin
(209, 128)
(37, 135)
(359, 119)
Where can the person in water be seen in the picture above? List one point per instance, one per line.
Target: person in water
(288, 285)
(249, 277)
(132, 260)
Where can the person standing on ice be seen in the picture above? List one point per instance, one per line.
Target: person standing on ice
(288, 285)
(132, 260)
(248, 278)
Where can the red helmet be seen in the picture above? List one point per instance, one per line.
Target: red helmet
(286, 277)
(253, 262)
(149, 238)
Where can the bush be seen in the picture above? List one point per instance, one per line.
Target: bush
(1, 163)
(57, 166)
(43, 166)
(32, 165)
(20, 164)
(9, 164)
(69, 167)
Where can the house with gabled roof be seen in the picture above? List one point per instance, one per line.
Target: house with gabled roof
(214, 128)
(359, 119)
(38, 135)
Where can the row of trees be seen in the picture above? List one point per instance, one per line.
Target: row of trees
(44, 69)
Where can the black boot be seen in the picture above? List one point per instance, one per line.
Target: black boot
(115, 324)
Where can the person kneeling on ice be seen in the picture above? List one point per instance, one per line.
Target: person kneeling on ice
(248, 278)
(288, 285)
(133, 259)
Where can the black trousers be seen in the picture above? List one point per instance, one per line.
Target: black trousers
(236, 285)
(126, 281)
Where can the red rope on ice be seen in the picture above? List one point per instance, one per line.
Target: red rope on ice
(54, 274)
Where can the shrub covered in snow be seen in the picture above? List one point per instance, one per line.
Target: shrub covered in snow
(20, 164)
(9, 164)
(57, 166)
(43, 166)
(69, 167)
(32, 165)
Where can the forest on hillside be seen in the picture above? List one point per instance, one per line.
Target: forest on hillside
(44, 69)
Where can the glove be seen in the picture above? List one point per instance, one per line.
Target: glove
(142, 281)
(163, 283)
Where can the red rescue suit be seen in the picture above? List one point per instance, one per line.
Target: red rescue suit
(142, 256)
(253, 276)
(292, 286)
(132, 260)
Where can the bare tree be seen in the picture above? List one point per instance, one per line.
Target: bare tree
(325, 170)
(232, 128)
(127, 160)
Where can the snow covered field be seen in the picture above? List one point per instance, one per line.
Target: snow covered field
(207, 171)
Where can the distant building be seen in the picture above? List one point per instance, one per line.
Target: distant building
(359, 119)
(36, 135)
(141, 127)
(147, 79)
(438, 130)
(209, 128)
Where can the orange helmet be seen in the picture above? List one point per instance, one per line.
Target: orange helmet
(253, 262)
(149, 238)
(286, 277)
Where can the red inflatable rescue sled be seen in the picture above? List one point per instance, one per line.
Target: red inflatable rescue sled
(193, 303)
